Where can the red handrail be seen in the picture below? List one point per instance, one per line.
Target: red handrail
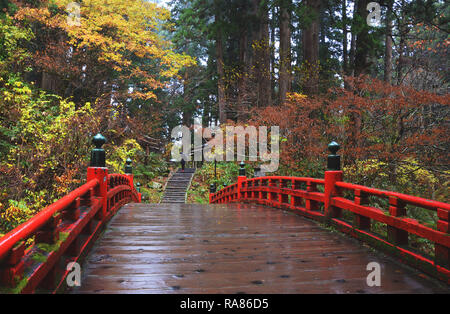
(99, 198)
(29, 227)
(327, 206)
(412, 200)
(301, 179)
(81, 215)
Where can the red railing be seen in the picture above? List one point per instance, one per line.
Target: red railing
(34, 256)
(323, 200)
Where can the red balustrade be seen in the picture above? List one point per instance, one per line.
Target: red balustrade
(323, 200)
(34, 256)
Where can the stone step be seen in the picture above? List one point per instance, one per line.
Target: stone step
(176, 187)
(180, 180)
(184, 186)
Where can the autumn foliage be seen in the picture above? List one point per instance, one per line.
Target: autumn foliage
(61, 83)
(389, 127)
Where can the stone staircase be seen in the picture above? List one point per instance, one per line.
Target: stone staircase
(177, 186)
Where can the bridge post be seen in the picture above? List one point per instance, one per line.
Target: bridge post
(442, 253)
(128, 166)
(129, 171)
(138, 189)
(332, 175)
(129, 174)
(241, 178)
(98, 170)
(397, 208)
(212, 190)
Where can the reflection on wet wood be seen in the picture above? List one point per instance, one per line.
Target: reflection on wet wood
(238, 248)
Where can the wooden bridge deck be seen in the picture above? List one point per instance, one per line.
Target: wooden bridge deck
(237, 248)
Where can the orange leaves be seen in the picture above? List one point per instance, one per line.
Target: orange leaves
(121, 35)
(372, 120)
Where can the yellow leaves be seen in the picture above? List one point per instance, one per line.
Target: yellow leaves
(295, 97)
(130, 148)
(42, 123)
(171, 62)
(7, 95)
(410, 167)
(14, 215)
(117, 25)
(367, 168)
(26, 90)
(145, 96)
(119, 32)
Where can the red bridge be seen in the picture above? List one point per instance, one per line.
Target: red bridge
(259, 235)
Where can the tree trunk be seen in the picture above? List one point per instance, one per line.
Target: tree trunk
(344, 38)
(285, 51)
(272, 51)
(243, 78)
(310, 43)
(362, 41)
(388, 48)
(187, 110)
(221, 76)
(351, 65)
(401, 49)
(403, 32)
(264, 79)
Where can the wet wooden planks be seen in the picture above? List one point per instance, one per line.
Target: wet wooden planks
(234, 248)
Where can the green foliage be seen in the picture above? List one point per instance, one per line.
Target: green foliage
(151, 166)
(408, 177)
(12, 45)
(44, 143)
(150, 195)
(227, 173)
(48, 248)
(47, 143)
(118, 155)
(15, 214)
(39, 257)
(198, 192)
(151, 172)
(20, 284)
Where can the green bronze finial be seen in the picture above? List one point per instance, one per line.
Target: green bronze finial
(98, 153)
(242, 169)
(128, 167)
(333, 147)
(98, 140)
(334, 161)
